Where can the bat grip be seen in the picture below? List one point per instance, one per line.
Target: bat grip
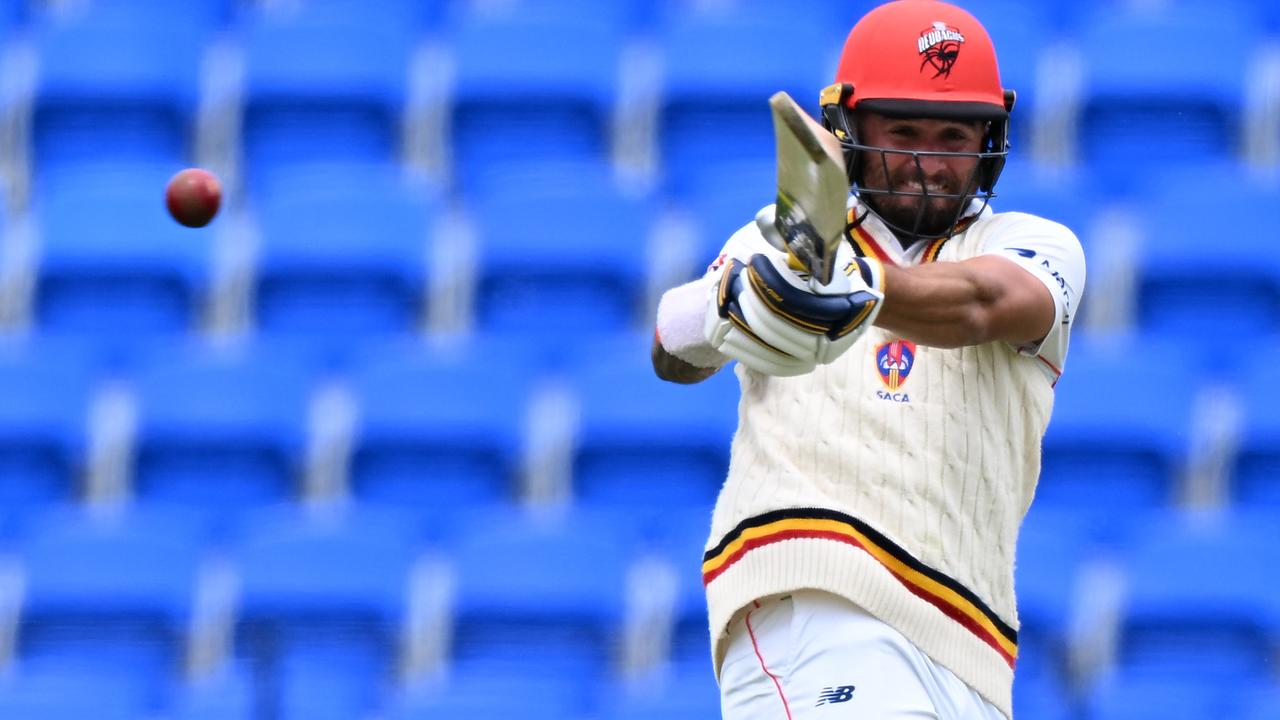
(766, 220)
(799, 258)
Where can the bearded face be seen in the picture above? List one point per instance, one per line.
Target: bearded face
(922, 194)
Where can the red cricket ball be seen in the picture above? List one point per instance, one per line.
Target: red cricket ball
(193, 197)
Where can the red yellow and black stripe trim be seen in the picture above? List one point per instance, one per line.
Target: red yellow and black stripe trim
(866, 246)
(934, 249)
(943, 592)
(863, 243)
(965, 222)
(931, 252)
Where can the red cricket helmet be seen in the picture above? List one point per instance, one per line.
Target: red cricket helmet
(920, 59)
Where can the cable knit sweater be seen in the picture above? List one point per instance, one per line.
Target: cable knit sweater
(898, 476)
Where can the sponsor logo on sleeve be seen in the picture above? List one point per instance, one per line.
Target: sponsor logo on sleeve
(1062, 288)
(1057, 278)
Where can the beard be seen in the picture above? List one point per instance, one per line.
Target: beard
(909, 212)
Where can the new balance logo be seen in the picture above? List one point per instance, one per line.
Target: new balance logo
(834, 695)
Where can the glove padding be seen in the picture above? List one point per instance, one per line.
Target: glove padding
(779, 322)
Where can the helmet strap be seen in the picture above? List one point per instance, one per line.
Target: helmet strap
(839, 121)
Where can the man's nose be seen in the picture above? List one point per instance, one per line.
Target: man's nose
(932, 165)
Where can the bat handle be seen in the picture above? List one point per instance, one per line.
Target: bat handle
(801, 262)
(766, 220)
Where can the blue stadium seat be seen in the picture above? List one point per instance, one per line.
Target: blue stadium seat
(689, 695)
(13, 14)
(1119, 434)
(840, 16)
(531, 84)
(209, 16)
(441, 426)
(1059, 194)
(1256, 472)
(14, 21)
(1022, 33)
(308, 690)
(643, 442)
(1262, 704)
(110, 593)
(1039, 692)
(324, 82)
(1053, 545)
(540, 595)
(1076, 17)
(620, 16)
(678, 537)
(224, 694)
(66, 694)
(719, 69)
(1120, 696)
(48, 389)
(1174, 258)
(560, 256)
(323, 596)
(690, 643)
(119, 82)
(1269, 11)
(1180, 68)
(221, 426)
(476, 696)
(727, 197)
(1197, 611)
(413, 16)
(113, 265)
(344, 254)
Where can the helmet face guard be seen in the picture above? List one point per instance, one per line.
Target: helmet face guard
(980, 185)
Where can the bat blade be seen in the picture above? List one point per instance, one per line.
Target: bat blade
(812, 187)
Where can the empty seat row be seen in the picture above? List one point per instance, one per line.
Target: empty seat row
(440, 424)
(334, 600)
(108, 87)
(348, 252)
(352, 602)
(226, 427)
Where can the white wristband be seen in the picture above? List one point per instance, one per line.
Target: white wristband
(682, 313)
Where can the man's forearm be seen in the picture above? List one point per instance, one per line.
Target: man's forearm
(679, 329)
(954, 304)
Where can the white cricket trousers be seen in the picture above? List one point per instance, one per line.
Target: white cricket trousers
(811, 655)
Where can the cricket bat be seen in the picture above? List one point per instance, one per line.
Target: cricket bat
(813, 188)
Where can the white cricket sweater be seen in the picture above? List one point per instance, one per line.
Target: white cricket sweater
(898, 476)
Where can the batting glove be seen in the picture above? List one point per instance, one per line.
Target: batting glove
(779, 321)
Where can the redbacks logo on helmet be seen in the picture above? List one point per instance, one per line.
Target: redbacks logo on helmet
(940, 46)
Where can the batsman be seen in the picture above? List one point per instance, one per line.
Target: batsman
(897, 344)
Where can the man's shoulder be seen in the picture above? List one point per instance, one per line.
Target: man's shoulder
(1017, 221)
(997, 229)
